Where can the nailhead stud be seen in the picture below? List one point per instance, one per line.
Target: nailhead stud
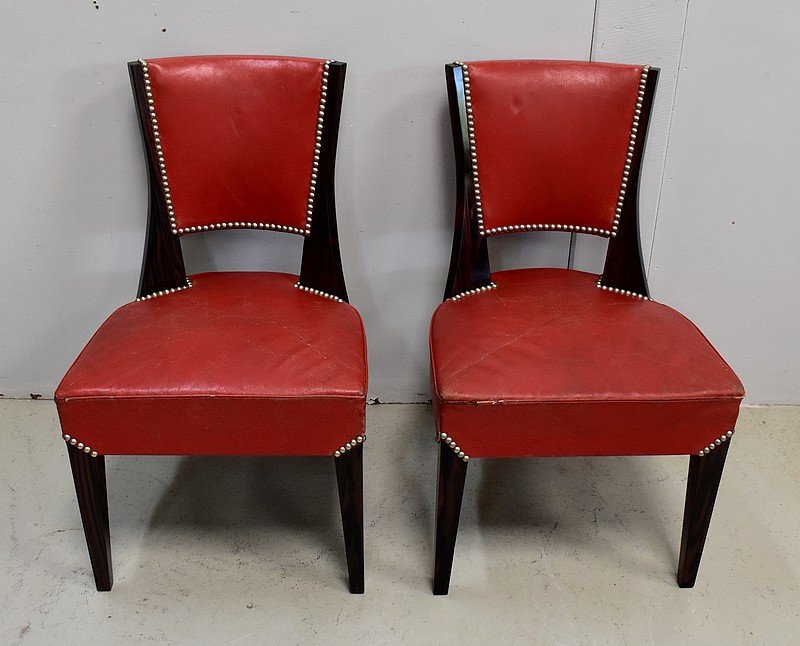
(317, 146)
(318, 292)
(624, 292)
(723, 438)
(472, 147)
(164, 292)
(79, 445)
(470, 292)
(629, 156)
(450, 442)
(350, 445)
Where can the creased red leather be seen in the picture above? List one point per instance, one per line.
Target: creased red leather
(238, 136)
(551, 139)
(548, 364)
(241, 363)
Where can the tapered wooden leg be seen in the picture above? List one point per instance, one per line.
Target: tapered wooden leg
(701, 491)
(89, 475)
(450, 491)
(349, 475)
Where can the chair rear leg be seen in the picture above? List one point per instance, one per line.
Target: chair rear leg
(701, 491)
(89, 475)
(350, 478)
(450, 492)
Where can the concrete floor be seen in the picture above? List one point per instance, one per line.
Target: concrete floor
(249, 551)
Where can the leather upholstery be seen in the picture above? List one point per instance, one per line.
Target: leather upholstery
(238, 136)
(240, 363)
(548, 364)
(551, 139)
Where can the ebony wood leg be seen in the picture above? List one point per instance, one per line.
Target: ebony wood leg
(89, 475)
(701, 491)
(450, 491)
(349, 475)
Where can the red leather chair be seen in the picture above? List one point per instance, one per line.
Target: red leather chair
(228, 363)
(558, 362)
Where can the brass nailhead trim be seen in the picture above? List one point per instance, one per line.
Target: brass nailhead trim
(715, 443)
(550, 227)
(350, 445)
(317, 146)
(444, 437)
(624, 292)
(237, 225)
(473, 152)
(164, 292)
(470, 292)
(318, 292)
(79, 445)
(631, 145)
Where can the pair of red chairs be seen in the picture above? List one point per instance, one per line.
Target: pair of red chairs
(533, 362)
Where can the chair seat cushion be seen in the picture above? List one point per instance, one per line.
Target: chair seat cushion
(549, 364)
(239, 363)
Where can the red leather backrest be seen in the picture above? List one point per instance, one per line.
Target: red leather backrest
(551, 140)
(236, 137)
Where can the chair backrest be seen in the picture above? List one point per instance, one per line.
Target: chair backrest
(552, 142)
(547, 146)
(240, 142)
(236, 139)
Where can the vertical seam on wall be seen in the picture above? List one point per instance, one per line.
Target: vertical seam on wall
(572, 236)
(669, 139)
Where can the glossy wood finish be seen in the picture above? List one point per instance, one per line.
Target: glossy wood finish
(449, 494)
(162, 265)
(705, 474)
(624, 268)
(469, 260)
(321, 267)
(89, 475)
(350, 478)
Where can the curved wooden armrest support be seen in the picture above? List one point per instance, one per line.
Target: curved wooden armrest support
(162, 265)
(321, 267)
(624, 268)
(469, 261)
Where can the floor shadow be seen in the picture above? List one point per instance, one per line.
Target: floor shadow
(286, 492)
(255, 504)
(564, 499)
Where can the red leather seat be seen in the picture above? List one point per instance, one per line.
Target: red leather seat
(239, 350)
(546, 364)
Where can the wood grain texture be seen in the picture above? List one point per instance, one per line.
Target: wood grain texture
(349, 476)
(624, 268)
(705, 474)
(469, 259)
(89, 475)
(449, 494)
(162, 266)
(321, 267)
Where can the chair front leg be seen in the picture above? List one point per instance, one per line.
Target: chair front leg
(701, 491)
(450, 492)
(89, 475)
(350, 477)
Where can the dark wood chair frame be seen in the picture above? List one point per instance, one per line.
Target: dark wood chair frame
(163, 269)
(623, 269)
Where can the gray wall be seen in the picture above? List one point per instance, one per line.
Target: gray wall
(73, 196)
